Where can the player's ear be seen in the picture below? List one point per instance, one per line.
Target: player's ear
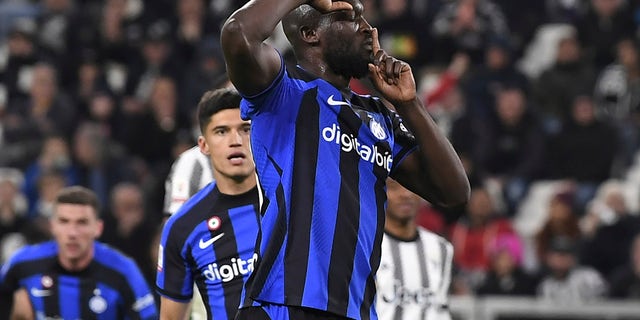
(309, 35)
(99, 228)
(202, 144)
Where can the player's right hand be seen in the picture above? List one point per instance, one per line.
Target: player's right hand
(325, 6)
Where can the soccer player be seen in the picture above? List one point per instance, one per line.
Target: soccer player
(323, 154)
(211, 239)
(415, 269)
(189, 173)
(74, 276)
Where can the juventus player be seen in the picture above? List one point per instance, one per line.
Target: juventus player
(415, 269)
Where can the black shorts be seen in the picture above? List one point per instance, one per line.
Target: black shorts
(281, 312)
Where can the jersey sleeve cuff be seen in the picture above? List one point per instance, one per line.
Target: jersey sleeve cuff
(173, 296)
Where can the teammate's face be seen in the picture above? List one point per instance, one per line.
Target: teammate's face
(347, 42)
(75, 227)
(402, 204)
(226, 141)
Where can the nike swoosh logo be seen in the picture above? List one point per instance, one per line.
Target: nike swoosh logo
(334, 102)
(205, 244)
(40, 293)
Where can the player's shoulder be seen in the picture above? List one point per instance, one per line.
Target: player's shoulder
(189, 156)
(192, 206)
(113, 258)
(430, 236)
(33, 252)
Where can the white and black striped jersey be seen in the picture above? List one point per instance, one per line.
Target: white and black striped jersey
(189, 173)
(414, 277)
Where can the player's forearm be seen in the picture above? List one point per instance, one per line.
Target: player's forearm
(438, 158)
(257, 19)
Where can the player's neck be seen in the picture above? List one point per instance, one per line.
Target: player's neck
(234, 187)
(319, 68)
(405, 230)
(75, 265)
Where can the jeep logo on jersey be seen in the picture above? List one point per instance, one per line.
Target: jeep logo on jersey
(377, 129)
(400, 295)
(214, 223)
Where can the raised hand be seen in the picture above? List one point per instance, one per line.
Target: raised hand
(392, 77)
(325, 6)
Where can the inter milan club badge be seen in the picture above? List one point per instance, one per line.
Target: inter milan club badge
(46, 282)
(377, 129)
(214, 223)
(97, 303)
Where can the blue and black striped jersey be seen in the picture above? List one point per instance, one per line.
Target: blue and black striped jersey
(322, 161)
(210, 240)
(111, 287)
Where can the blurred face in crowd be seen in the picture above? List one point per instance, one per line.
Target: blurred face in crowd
(101, 107)
(606, 8)
(163, 97)
(627, 53)
(560, 263)
(560, 212)
(480, 206)
(503, 263)
(402, 204)
(496, 58)
(583, 110)
(615, 200)
(635, 254)
(568, 50)
(128, 206)
(43, 85)
(19, 45)
(511, 105)
(190, 9)
(226, 141)
(75, 227)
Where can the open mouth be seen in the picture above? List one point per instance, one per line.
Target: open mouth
(237, 157)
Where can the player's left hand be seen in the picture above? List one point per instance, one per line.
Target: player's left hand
(392, 77)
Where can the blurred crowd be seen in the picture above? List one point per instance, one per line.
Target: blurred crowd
(541, 99)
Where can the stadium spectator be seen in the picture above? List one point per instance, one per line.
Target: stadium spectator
(583, 136)
(604, 24)
(610, 245)
(561, 221)
(515, 146)
(54, 155)
(566, 281)
(506, 276)
(556, 87)
(474, 234)
(625, 282)
(127, 224)
(467, 25)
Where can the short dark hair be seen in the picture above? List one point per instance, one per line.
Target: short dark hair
(79, 195)
(214, 101)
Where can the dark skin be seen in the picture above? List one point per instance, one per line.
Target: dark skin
(434, 172)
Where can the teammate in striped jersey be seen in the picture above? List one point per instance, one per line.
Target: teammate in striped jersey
(415, 269)
(75, 277)
(211, 239)
(323, 154)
